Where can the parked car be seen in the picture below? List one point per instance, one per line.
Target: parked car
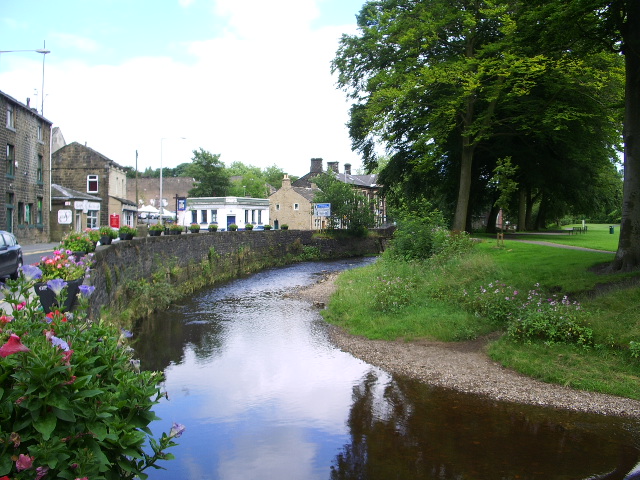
(10, 255)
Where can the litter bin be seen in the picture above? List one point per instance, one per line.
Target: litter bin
(611, 229)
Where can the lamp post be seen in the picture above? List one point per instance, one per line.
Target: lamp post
(160, 200)
(43, 51)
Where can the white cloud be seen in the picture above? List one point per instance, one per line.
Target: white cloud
(66, 40)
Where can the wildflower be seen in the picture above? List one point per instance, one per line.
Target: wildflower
(126, 333)
(41, 472)
(4, 319)
(135, 364)
(15, 438)
(21, 305)
(31, 272)
(24, 462)
(13, 345)
(56, 285)
(176, 430)
(66, 357)
(70, 382)
(58, 342)
(86, 290)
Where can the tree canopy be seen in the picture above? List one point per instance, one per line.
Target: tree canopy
(209, 172)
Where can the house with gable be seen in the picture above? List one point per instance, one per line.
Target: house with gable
(24, 171)
(82, 169)
(293, 203)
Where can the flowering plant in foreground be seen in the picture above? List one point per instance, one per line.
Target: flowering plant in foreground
(63, 264)
(72, 405)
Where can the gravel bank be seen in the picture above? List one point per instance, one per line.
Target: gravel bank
(464, 367)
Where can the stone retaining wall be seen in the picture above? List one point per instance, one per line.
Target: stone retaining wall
(143, 257)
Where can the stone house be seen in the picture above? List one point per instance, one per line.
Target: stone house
(70, 211)
(80, 168)
(293, 203)
(24, 171)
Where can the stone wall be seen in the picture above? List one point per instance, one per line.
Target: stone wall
(143, 257)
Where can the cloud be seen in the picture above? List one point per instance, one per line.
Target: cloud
(66, 40)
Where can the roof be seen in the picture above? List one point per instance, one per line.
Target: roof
(124, 201)
(59, 192)
(30, 109)
(103, 157)
(366, 181)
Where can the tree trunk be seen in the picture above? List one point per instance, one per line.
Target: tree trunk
(491, 219)
(522, 210)
(464, 186)
(628, 254)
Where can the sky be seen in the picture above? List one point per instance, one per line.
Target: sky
(247, 79)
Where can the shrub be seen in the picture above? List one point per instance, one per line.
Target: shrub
(127, 230)
(284, 227)
(73, 402)
(248, 226)
(194, 227)
(390, 294)
(78, 242)
(233, 227)
(174, 227)
(212, 227)
(415, 237)
(157, 227)
(108, 232)
(267, 227)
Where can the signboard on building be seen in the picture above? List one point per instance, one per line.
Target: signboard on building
(65, 217)
(114, 220)
(86, 205)
(322, 209)
(182, 204)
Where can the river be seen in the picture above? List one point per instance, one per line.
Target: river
(263, 393)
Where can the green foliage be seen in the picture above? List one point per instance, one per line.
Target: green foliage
(350, 209)
(391, 294)
(207, 169)
(73, 402)
(233, 227)
(213, 227)
(248, 226)
(156, 227)
(108, 232)
(64, 265)
(194, 227)
(78, 242)
(127, 230)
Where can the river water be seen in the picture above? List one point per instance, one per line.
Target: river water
(264, 394)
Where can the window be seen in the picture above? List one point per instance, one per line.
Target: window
(11, 160)
(39, 176)
(296, 206)
(277, 206)
(259, 217)
(39, 211)
(9, 199)
(246, 216)
(28, 212)
(20, 213)
(194, 216)
(214, 216)
(203, 216)
(40, 132)
(11, 119)
(92, 219)
(92, 183)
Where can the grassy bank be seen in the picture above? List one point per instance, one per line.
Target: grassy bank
(581, 333)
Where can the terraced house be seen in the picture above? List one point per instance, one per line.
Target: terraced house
(24, 171)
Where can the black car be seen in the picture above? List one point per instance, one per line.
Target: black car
(10, 255)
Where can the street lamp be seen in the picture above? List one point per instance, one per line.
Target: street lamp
(160, 201)
(43, 51)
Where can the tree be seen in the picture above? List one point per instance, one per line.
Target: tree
(209, 173)
(350, 210)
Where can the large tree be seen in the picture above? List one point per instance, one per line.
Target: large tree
(210, 174)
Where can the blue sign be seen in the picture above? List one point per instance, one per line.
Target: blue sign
(322, 209)
(182, 204)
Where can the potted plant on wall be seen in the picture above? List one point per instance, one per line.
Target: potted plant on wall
(284, 227)
(107, 234)
(156, 230)
(175, 229)
(213, 227)
(248, 226)
(126, 232)
(194, 228)
(78, 242)
(233, 227)
(267, 227)
(62, 275)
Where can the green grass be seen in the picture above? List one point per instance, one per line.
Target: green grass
(394, 300)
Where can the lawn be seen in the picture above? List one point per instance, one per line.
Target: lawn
(411, 300)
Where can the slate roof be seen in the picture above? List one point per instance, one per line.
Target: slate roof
(59, 192)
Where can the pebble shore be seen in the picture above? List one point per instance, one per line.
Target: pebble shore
(464, 367)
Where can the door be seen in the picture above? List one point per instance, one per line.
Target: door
(230, 219)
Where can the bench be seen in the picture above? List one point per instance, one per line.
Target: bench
(575, 230)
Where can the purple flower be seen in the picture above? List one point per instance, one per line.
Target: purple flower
(176, 430)
(31, 272)
(58, 342)
(56, 285)
(86, 290)
(126, 333)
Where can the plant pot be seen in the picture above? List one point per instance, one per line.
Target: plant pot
(78, 254)
(126, 236)
(105, 240)
(155, 233)
(195, 231)
(48, 299)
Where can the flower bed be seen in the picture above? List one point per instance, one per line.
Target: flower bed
(73, 402)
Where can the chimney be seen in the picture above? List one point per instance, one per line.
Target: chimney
(286, 181)
(316, 165)
(347, 169)
(332, 166)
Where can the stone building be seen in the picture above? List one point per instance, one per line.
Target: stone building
(24, 171)
(146, 191)
(293, 203)
(70, 211)
(80, 168)
(225, 211)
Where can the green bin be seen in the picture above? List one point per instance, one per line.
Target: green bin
(611, 229)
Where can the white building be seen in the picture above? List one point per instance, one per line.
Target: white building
(225, 211)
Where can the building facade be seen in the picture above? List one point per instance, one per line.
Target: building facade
(225, 211)
(80, 168)
(25, 138)
(293, 206)
(70, 211)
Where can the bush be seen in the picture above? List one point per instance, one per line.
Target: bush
(213, 227)
(267, 227)
(248, 226)
(156, 227)
(78, 242)
(73, 402)
(174, 227)
(233, 227)
(108, 232)
(284, 227)
(127, 230)
(414, 237)
(194, 227)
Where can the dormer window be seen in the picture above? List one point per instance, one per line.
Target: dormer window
(92, 183)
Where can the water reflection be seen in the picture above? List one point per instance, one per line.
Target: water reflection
(264, 395)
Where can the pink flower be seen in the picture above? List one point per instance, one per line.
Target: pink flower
(5, 319)
(24, 462)
(13, 345)
(20, 306)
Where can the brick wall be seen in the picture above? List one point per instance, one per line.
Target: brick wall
(141, 257)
